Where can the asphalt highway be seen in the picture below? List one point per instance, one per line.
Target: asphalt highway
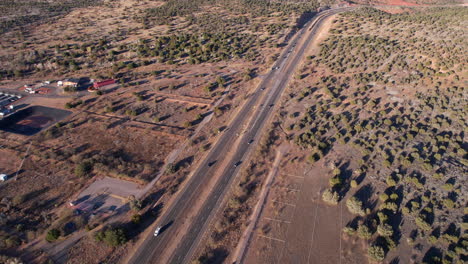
(242, 130)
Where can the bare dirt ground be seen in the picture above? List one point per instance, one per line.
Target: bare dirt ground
(296, 226)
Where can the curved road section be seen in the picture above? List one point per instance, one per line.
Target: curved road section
(260, 106)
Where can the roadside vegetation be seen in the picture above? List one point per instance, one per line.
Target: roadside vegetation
(391, 92)
(172, 61)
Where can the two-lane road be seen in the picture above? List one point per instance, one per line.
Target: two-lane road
(260, 106)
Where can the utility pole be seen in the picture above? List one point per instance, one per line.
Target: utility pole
(21, 165)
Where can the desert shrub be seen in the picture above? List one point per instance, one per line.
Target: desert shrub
(449, 203)
(52, 235)
(390, 181)
(376, 253)
(432, 239)
(334, 181)
(385, 230)
(330, 196)
(113, 236)
(349, 230)
(84, 168)
(18, 199)
(421, 223)
(171, 168)
(383, 197)
(364, 231)
(136, 219)
(135, 204)
(355, 206)
(10, 260)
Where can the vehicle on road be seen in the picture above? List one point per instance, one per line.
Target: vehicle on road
(250, 142)
(157, 230)
(263, 88)
(211, 163)
(271, 105)
(237, 163)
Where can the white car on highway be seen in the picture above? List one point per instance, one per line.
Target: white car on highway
(157, 230)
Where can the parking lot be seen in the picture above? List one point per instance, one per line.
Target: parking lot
(8, 98)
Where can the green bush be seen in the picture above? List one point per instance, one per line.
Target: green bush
(334, 181)
(355, 206)
(330, 196)
(385, 230)
(52, 235)
(83, 169)
(364, 232)
(113, 237)
(376, 253)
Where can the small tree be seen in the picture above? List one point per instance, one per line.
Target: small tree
(83, 168)
(136, 219)
(376, 253)
(335, 181)
(171, 168)
(135, 204)
(115, 237)
(52, 235)
(385, 230)
(355, 206)
(364, 232)
(336, 172)
(330, 196)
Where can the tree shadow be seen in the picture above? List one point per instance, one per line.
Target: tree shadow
(432, 254)
(364, 194)
(35, 194)
(183, 163)
(214, 256)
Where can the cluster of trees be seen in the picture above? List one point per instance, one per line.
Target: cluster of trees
(195, 48)
(112, 236)
(176, 8)
(357, 53)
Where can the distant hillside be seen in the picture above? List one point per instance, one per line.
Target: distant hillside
(21, 12)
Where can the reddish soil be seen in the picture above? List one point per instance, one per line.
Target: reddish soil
(35, 121)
